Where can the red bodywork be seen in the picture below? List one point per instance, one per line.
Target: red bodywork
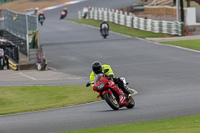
(109, 87)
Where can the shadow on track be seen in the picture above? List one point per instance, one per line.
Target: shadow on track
(92, 41)
(121, 109)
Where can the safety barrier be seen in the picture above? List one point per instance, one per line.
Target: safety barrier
(168, 27)
(13, 65)
(129, 20)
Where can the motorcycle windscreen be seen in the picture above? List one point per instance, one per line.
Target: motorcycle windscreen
(97, 77)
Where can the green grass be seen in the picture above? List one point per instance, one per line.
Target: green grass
(123, 29)
(191, 44)
(189, 124)
(31, 98)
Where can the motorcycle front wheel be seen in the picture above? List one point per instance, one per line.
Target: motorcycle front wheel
(111, 100)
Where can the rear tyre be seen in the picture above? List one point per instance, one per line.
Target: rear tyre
(111, 100)
(131, 103)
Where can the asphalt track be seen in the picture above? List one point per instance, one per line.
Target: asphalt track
(166, 78)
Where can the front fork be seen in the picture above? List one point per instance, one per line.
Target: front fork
(106, 91)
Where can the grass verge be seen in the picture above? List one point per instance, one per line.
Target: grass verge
(189, 124)
(30, 98)
(191, 44)
(122, 29)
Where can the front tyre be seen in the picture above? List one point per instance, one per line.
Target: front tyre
(131, 103)
(111, 100)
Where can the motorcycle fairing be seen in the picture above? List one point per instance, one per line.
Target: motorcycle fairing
(114, 87)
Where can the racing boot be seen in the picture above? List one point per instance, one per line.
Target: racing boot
(127, 93)
(129, 89)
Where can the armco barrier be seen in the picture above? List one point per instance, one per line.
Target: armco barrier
(168, 27)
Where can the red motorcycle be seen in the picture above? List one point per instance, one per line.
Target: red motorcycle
(110, 92)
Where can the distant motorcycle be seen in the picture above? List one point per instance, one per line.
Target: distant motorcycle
(41, 21)
(104, 29)
(110, 92)
(104, 32)
(63, 15)
(41, 18)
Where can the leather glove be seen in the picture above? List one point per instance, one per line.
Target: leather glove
(110, 76)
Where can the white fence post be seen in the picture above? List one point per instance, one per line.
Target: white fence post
(116, 17)
(110, 16)
(95, 14)
(79, 15)
(105, 14)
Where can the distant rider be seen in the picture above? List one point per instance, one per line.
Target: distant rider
(104, 25)
(66, 11)
(41, 16)
(98, 68)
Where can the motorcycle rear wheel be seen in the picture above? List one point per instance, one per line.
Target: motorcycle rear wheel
(1, 63)
(131, 103)
(112, 102)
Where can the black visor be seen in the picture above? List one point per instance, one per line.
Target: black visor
(97, 69)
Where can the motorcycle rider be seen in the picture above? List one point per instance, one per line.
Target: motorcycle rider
(98, 68)
(65, 10)
(104, 25)
(64, 13)
(41, 16)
